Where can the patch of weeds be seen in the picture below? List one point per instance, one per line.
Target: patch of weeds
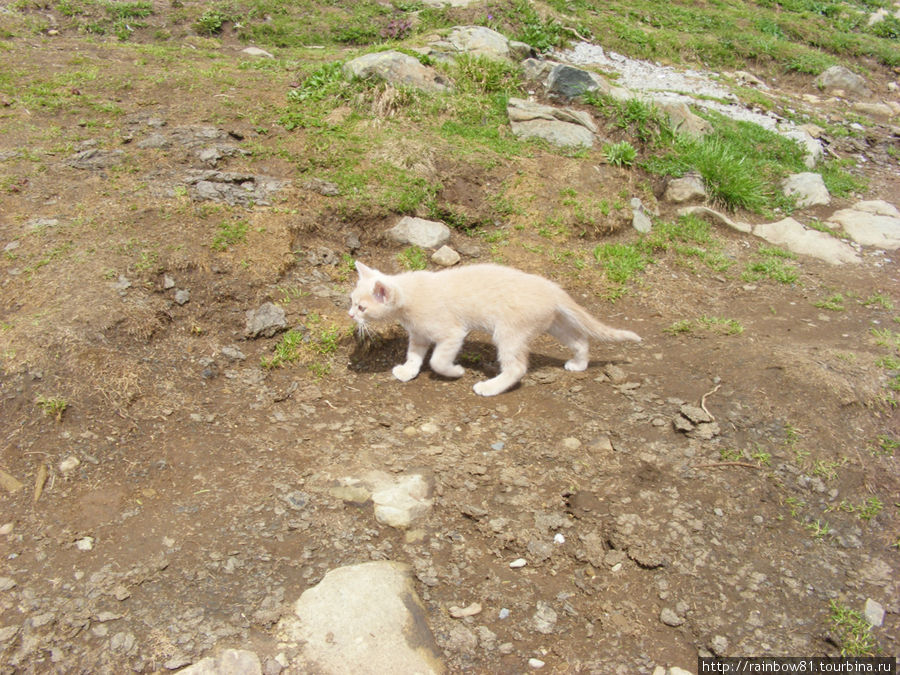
(819, 226)
(887, 446)
(795, 505)
(287, 351)
(481, 75)
(620, 154)
(879, 300)
(819, 528)
(730, 455)
(840, 182)
(712, 324)
(869, 509)
(542, 34)
(853, 630)
(885, 337)
(689, 238)
(762, 458)
(770, 263)
(828, 469)
(413, 258)
(53, 406)
(230, 234)
(833, 303)
(642, 120)
(621, 262)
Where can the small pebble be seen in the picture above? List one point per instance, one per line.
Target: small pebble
(518, 562)
(504, 613)
(535, 663)
(559, 538)
(85, 544)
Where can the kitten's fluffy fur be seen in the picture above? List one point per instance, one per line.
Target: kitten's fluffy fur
(441, 308)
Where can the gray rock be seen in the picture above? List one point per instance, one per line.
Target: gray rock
(445, 257)
(840, 79)
(232, 352)
(398, 69)
(809, 189)
(155, 140)
(880, 110)
(95, 158)
(683, 120)
(6, 583)
(640, 221)
(714, 217)
(7, 633)
(695, 414)
(562, 127)
(544, 619)
(570, 82)
(182, 296)
(323, 187)
(265, 322)
(537, 69)
(229, 662)
(719, 645)
(420, 232)
(814, 150)
(874, 613)
(233, 188)
(479, 41)
(796, 238)
(685, 189)
(871, 223)
(362, 614)
(256, 51)
(670, 618)
(400, 503)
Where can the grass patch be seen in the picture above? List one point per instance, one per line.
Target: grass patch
(771, 263)
(833, 303)
(853, 630)
(620, 154)
(52, 406)
(413, 258)
(709, 324)
(230, 234)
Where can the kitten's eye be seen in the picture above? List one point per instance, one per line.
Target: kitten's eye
(361, 308)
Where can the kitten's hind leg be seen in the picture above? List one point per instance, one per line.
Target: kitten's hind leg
(513, 354)
(575, 340)
(415, 354)
(444, 355)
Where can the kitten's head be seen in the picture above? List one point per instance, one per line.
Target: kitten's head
(373, 299)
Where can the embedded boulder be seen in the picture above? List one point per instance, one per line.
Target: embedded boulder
(560, 126)
(871, 223)
(809, 189)
(796, 238)
(397, 69)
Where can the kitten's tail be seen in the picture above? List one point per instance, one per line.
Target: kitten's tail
(579, 316)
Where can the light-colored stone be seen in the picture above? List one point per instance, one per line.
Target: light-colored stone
(70, 463)
(796, 238)
(445, 257)
(809, 189)
(870, 223)
(229, 662)
(715, 217)
(683, 120)
(844, 79)
(874, 613)
(398, 69)
(420, 232)
(364, 619)
(479, 41)
(685, 189)
(560, 126)
(265, 321)
(256, 51)
(879, 110)
(399, 504)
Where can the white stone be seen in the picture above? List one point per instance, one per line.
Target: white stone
(796, 238)
(420, 232)
(398, 505)
(445, 257)
(364, 619)
(229, 662)
(872, 223)
(874, 613)
(809, 188)
(518, 562)
(85, 544)
(256, 51)
(70, 463)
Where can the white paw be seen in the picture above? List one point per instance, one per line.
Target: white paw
(404, 373)
(576, 365)
(486, 388)
(452, 370)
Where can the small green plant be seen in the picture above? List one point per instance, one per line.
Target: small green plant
(828, 469)
(230, 234)
(620, 154)
(287, 351)
(819, 528)
(795, 505)
(413, 258)
(730, 454)
(712, 324)
(770, 263)
(833, 303)
(885, 337)
(52, 406)
(879, 300)
(854, 631)
(211, 22)
(887, 446)
(763, 458)
(870, 509)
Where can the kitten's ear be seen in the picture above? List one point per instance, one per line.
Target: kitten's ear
(364, 270)
(382, 293)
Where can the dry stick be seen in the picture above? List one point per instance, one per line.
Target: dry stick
(703, 400)
(575, 33)
(745, 464)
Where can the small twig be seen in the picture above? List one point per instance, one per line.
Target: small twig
(575, 33)
(744, 464)
(703, 400)
(329, 404)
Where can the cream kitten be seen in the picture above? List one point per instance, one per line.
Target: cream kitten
(441, 308)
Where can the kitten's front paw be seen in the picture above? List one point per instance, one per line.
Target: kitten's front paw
(486, 388)
(453, 370)
(404, 373)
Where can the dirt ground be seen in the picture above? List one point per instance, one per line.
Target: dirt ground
(199, 508)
